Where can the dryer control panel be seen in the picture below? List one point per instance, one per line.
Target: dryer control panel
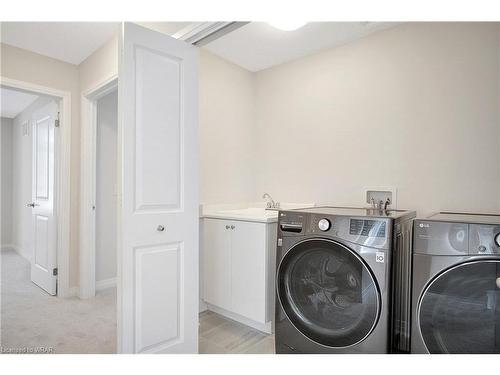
(455, 238)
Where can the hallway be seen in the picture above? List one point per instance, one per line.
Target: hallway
(31, 319)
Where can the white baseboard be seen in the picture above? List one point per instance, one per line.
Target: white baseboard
(105, 284)
(266, 328)
(202, 306)
(17, 249)
(6, 247)
(74, 291)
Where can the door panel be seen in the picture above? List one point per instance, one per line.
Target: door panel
(459, 311)
(217, 262)
(158, 257)
(248, 270)
(44, 259)
(42, 145)
(158, 297)
(41, 243)
(159, 148)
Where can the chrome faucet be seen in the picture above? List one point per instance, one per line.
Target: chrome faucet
(271, 204)
(380, 204)
(387, 203)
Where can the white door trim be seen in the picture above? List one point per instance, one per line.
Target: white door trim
(62, 176)
(88, 183)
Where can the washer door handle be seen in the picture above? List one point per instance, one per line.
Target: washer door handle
(498, 282)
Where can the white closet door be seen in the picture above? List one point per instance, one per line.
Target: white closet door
(158, 265)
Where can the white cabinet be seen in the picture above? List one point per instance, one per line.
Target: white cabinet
(248, 270)
(238, 270)
(217, 262)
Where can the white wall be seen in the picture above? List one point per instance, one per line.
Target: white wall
(226, 131)
(100, 66)
(31, 67)
(6, 178)
(22, 146)
(415, 107)
(106, 204)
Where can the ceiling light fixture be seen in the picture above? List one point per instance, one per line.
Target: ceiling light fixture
(287, 25)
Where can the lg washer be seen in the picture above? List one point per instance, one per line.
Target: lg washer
(334, 283)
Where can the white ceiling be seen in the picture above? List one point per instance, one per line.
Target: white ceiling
(71, 42)
(258, 45)
(14, 102)
(254, 46)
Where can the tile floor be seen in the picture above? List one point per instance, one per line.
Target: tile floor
(219, 335)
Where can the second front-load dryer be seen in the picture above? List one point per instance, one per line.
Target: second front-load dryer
(456, 284)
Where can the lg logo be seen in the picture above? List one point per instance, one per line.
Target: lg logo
(380, 257)
(424, 225)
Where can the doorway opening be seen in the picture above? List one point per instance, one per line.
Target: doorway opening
(106, 191)
(98, 262)
(35, 245)
(36, 131)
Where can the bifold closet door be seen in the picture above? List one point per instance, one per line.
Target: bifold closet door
(158, 256)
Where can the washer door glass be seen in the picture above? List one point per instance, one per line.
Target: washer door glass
(459, 311)
(328, 293)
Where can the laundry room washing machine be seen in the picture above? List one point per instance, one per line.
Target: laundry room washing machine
(456, 284)
(334, 290)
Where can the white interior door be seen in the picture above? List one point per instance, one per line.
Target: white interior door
(44, 259)
(158, 220)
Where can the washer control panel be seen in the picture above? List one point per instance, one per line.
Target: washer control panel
(371, 232)
(363, 227)
(324, 225)
(291, 223)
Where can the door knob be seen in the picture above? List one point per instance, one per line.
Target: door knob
(160, 228)
(32, 204)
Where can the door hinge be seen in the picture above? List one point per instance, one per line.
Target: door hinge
(54, 272)
(57, 123)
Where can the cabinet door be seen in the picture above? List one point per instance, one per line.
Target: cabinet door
(248, 271)
(217, 262)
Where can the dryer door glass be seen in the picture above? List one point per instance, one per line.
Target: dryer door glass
(459, 311)
(328, 293)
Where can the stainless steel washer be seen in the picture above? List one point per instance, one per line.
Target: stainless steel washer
(334, 279)
(456, 284)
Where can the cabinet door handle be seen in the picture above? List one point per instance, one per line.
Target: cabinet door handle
(232, 226)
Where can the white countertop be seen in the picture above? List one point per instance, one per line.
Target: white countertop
(247, 212)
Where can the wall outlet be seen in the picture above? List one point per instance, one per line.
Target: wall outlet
(381, 193)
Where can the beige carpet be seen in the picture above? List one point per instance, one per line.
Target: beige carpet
(30, 318)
